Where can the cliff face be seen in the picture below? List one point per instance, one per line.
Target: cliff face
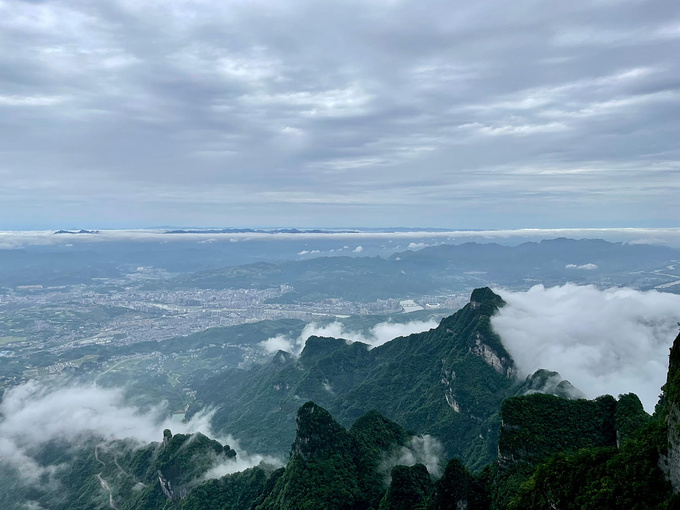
(536, 426)
(670, 462)
(179, 463)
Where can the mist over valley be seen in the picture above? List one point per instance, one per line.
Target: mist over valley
(339, 255)
(94, 369)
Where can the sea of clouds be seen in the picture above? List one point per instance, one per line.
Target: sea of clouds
(611, 341)
(38, 412)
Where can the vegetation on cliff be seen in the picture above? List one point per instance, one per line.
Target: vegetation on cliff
(553, 452)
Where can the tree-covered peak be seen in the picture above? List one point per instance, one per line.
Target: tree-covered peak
(630, 417)
(410, 488)
(318, 434)
(483, 304)
(318, 347)
(469, 330)
(551, 383)
(485, 297)
(282, 358)
(378, 432)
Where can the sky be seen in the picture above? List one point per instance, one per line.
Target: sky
(488, 114)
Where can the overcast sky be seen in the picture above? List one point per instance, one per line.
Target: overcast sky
(486, 114)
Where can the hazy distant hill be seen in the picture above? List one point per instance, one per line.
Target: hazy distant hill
(429, 270)
(449, 268)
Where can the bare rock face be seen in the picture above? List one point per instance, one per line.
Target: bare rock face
(447, 379)
(503, 365)
(182, 460)
(170, 492)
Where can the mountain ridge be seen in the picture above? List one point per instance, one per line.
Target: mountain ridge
(456, 372)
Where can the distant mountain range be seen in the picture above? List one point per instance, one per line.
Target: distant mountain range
(450, 268)
(430, 270)
(258, 231)
(81, 231)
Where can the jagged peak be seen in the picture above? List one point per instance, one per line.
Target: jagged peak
(317, 347)
(317, 432)
(550, 383)
(485, 296)
(282, 358)
(379, 431)
(470, 329)
(483, 301)
(368, 420)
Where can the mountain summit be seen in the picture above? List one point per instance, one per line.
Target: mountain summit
(448, 382)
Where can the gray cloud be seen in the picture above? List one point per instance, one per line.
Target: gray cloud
(611, 341)
(483, 115)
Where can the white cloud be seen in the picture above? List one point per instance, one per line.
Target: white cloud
(425, 449)
(379, 334)
(242, 461)
(587, 267)
(358, 249)
(38, 412)
(417, 246)
(278, 343)
(31, 100)
(610, 341)
(520, 129)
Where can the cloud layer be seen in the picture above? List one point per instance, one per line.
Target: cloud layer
(670, 236)
(611, 341)
(35, 413)
(480, 115)
(377, 335)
